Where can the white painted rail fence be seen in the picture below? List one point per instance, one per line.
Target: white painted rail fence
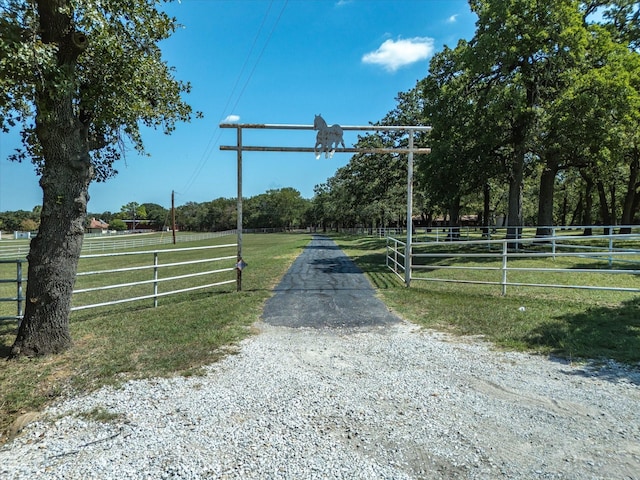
(605, 255)
(156, 267)
(214, 267)
(98, 243)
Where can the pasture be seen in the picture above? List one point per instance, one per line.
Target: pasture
(193, 329)
(135, 340)
(567, 323)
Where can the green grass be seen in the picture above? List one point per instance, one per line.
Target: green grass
(574, 324)
(190, 330)
(113, 344)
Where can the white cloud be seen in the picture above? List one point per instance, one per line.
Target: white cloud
(231, 118)
(452, 19)
(394, 54)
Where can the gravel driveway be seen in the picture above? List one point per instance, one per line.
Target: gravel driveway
(347, 396)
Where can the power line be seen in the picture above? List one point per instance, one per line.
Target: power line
(216, 134)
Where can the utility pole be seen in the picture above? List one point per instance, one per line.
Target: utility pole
(173, 215)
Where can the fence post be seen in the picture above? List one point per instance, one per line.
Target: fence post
(407, 250)
(155, 279)
(610, 247)
(19, 290)
(505, 251)
(386, 257)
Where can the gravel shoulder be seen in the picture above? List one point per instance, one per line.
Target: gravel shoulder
(386, 400)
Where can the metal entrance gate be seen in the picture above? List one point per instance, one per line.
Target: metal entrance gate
(410, 151)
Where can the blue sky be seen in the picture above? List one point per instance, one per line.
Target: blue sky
(267, 61)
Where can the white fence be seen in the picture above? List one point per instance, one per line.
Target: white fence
(156, 267)
(495, 262)
(145, 261)
(94, 243)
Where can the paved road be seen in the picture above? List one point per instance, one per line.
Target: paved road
(325, 289)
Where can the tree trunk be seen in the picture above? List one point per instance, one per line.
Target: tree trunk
(587, 219)
(578, 211)
(53, 261)
(486, 213)
(514, 215)
(66, 174)
(630, 196)
(454, 219)
(604, 207)
(545, 200)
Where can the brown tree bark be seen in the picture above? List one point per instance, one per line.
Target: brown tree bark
(486, 210)
(587, 218)
(454, 218)
(605, 213)
(630, 198)
(546, 199)
(516, 181)
(66, 174)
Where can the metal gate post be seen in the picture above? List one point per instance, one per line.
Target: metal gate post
(408, 249)
(19, 292)
(239, 209)
(505, 255)
(155, 279)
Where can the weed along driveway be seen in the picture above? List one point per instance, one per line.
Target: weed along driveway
(336, 387)
(324, 288)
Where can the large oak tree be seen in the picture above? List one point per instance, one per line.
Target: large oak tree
(79, 78)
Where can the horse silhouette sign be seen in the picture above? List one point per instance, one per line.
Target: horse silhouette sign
(328, 138)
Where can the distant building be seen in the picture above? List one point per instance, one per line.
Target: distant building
(139, 225)
(98, 226)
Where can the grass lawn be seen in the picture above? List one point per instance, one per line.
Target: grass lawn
(574, 324)
(112, 344)
(187, 331)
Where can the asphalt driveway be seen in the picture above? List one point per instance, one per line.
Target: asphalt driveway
(325, 289)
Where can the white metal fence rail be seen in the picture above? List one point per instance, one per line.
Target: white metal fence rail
(503, 252)
(154, 266)
(95, 243)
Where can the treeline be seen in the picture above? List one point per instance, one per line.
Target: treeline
(536, 120)
(20, 220)
(281, 208)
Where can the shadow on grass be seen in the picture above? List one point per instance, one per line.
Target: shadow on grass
(360, 243)
(603, 264)
(597, 335)
(8, 332)
(372, 263)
